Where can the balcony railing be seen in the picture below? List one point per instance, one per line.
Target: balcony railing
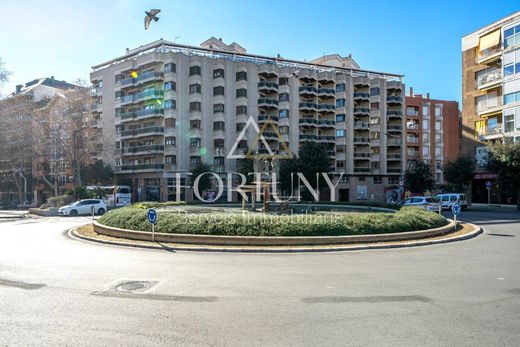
(308, 90)
(267, 102)
(142, 113)
(485, 54)
(264, 117)
(150, 75)
(362, 155)
(308, 137)
(490, 105)
(140, 167)
(141, 131)
(326, 91)
(361, 169)
(308, 121)
(360, 95)
(394, 114)
(393, 156)
(326, 107)
(361, 125)
(150, 94)
(136, 149)
(361, 140)
(489, 77)
(327, 138)
(491, 130)
(308, 105)
(326, 123)
(393, 170)
(393, 127)
(267, 85)
(394, 99)
(361, 110)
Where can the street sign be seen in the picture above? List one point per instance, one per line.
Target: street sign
(456, 208)
(152, 219)
(152, 216)
(489, 184)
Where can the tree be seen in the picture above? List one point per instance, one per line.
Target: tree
(418, 178)
(205, 181)
(288, 166)
(459, 173)
(97, 174)
(4, 74)
(504, 160)
(246, 166)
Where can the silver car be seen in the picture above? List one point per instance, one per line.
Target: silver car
(426, 202)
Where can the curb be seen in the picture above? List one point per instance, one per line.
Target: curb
(255, 249)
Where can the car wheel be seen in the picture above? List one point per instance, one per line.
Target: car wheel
(101, 211)
(73, 213)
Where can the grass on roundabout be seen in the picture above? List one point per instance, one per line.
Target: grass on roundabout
(221, 220)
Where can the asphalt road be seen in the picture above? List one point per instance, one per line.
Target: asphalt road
(57, 291)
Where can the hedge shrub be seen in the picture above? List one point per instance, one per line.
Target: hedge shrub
(256, 224)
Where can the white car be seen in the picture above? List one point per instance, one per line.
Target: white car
(426, 202)
(83, 207)
(447, 200)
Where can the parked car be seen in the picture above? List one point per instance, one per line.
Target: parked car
(426, 202)
(83, 207)
(447, 200)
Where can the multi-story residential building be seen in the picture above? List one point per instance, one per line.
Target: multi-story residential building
(490, 92)
(165, 107)
(38, 139)
(432, 131)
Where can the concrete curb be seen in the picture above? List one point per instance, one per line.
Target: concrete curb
(252, 249)
(259, 241)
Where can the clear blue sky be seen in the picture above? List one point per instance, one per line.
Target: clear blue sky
(420, 39)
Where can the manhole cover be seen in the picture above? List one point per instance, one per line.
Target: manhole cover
(133, 286)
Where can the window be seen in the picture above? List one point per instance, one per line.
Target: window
(374, 106)
(362, 192)
(438, 110)
(118, 161)
(218, 161)
(195, 70)
(284, 129)
(194, 160)
(241, 110)
(438, 139)
(283, 97)
(242, 93)
(426, 124)
(512, 36)
(218, 90)
(170, 141)
(426, 111)
(340, 117)
(118, 129)
(340, 164)
(425, 137)
(426, 150)
(195, 142)
(240, 126)
(411, 111)
(218, 73)
(169, 104)
(195, 106)
(438, 124)
(118, 144)
(218, 108)
(169, 123)
(512, 97)
(283, 81)
(509, 119)
(195, 88)
(340, 87)
(374, 91)
(378, 180)
(374, 120)
(340, 102)
(170, 159)
(170, 67)
(375, 135)
(393, 180)
(438, 151)
(340, 133)
(170, 86)
(283, 113)
(241, 76)
(218, 126)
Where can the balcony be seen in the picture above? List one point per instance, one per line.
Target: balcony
(361, 125)
(414, 127)
(96, 91)
(361, 96)
(361, 169)
(490, 132)
(361, 140)
(327, 138)
(155, 112)
(394, 142)
(491, 105)
(95, 107)
(394, 128)
(149, 94)
(143, 149)
(394, 114)
(308, 106)
(489, 79)
(308, 137)
(267, 86)
(308, 122)
(149, 131)
(326, 92)
(308, 90)
(127, 99)
(270, 135)
(150, 76)
(396, 170)
(324, 108)
(326, 123)
(140, 168)
(394, 99)
(267, 103)
(264, 118)
(362, 155)
(361, 110)
(394, 85)
(489, 54)
(412, 141)
(393, 157)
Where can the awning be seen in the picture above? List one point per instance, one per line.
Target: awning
(490, 40)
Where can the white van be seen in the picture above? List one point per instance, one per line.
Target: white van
(447, 200)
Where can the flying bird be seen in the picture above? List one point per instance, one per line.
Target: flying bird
(149, 16)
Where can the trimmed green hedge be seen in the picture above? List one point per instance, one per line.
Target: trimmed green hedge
(256, 224)
(151, 204)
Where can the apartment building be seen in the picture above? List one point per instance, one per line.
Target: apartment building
(165, 107)
(490, 92)
(432, 132)
(28, 165)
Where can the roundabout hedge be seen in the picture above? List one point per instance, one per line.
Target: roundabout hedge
(257, 224)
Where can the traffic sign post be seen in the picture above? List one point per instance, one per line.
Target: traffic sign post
(152, 219)
(489, 185)
(456, 208)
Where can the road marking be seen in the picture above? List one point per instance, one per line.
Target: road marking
(364, 299)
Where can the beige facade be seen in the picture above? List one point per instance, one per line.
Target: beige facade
(164, 107)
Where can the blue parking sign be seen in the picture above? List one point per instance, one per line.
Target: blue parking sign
(456, 208)
(152, 216)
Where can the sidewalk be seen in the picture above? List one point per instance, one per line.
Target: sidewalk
(493, 208)
(13, 214)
